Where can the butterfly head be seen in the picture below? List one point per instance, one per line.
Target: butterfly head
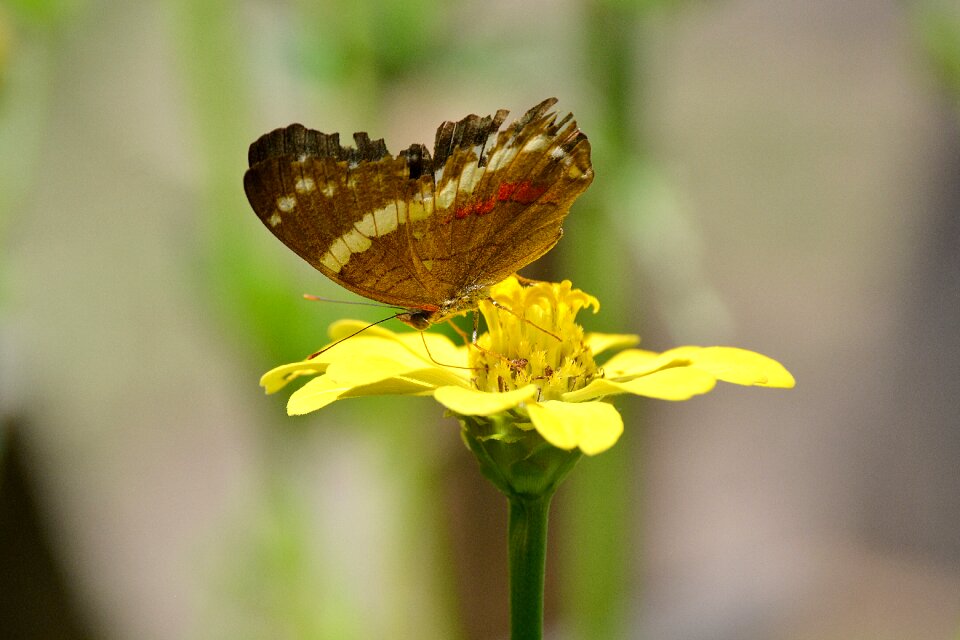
(467, 300)
(419, 320)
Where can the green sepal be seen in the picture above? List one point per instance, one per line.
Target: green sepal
(518, 461)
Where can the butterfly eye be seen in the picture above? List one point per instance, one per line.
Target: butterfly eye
(419, 320)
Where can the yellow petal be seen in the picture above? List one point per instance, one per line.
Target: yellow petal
(314, 395)
(368, 368)
(675, 383)
(592, 426)
(324, 390)
(341, 329)
(600, 342)
(638, 362)
(376, 362)
(471, 402)
(440, 376)
(390, 387)
(367, 353)
(730, 364)
(440, 350)
(366, 359)
(278, 377)
(740, 366)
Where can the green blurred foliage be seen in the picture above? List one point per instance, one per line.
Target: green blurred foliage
(44, 13)
(938, 24)
(6, 43)
(246, 286)
(28, 35)
(385, 41)
(279, 589)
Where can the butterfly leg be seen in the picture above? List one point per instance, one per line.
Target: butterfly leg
(518, 363)
(527, 281)
(460, 332)
(438, 363)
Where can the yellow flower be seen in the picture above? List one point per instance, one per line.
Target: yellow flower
(534, 365)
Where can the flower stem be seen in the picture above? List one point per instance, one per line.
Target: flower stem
(528, 556)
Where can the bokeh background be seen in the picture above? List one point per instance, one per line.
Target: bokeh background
(782, 176)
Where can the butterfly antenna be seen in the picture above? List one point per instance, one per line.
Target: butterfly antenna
(361, 303)
(358, 331)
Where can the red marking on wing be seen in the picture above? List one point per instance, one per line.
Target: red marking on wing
(480, 208)
(527, 193)
(485, 207)
(505, 191)
(521, 192)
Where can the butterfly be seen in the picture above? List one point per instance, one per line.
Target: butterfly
(428, 234)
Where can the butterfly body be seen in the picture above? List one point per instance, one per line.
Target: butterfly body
(427, 233)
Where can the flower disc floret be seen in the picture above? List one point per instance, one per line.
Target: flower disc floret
(533, 338)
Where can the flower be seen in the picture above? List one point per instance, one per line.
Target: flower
(532, 372)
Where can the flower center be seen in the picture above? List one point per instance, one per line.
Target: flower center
(533, 337)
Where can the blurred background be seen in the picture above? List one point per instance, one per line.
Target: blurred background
(777, 175)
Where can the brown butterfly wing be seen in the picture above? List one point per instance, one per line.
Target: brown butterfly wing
(414, 231)
(344, 210)
(500, 205)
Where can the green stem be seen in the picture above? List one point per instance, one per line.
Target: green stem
(528, 557)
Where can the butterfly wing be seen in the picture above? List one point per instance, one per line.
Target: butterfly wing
(416, 231)
(501, 201)
(346, 211)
